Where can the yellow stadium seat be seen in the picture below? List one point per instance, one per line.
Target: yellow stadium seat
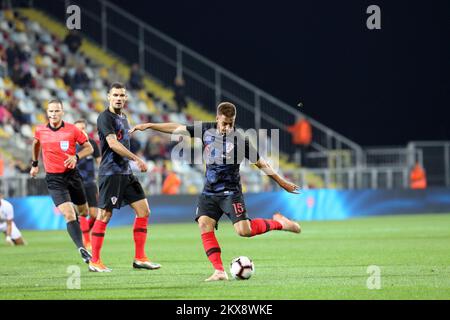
(103, 73)
(99, 107)
(41, 118)
(8, 83)
(60, 83)
(151, 106)
(38, 60)
(168, 164)
(95, 95)
(9, 15)
(3, 134)
(191, 189)
(142, 95)
(20, 26)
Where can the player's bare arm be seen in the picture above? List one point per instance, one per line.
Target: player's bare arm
(161, 127)
(117, 147)
(8, 232)
(86, 150)
(35, 150)
(283, 183)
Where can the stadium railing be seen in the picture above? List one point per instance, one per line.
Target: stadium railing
(349, 178)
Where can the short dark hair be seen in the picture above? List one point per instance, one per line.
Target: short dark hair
(81, 121)
(56, 101)
(117, 85)
(227, 109)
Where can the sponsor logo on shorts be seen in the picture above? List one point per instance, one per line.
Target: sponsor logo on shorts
(114, 200)
(64, 145)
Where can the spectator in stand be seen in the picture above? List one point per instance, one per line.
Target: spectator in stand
(110, 75)
(135, 81)
(3, 62)
(301, 137)
(180, 96)
(73, 41)
(21, 75)
(80, 79)
(171, 182)
(18, 115)
(418, 178)
(14, 55)
(5, 115)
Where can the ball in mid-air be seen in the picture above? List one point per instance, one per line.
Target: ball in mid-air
(242, 268)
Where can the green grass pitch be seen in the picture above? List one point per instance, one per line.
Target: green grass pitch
(329, 260)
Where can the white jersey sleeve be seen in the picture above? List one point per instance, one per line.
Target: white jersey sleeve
(6, 211)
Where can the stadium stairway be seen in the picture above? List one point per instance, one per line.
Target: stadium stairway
(194, 110)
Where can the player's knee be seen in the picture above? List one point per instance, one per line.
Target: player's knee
(205, 226)
(244, 233)
(104, 216)
(144, 214)
(83, 210)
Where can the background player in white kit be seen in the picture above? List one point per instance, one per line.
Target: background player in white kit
(7, 225)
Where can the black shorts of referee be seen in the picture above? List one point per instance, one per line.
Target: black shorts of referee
(116, 191)
(66, 187)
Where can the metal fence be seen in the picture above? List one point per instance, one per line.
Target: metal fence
(435, 157)
(351, 178)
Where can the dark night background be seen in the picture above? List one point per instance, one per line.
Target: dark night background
(377, 87)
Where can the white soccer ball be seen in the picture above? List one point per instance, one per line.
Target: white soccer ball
(242, 268)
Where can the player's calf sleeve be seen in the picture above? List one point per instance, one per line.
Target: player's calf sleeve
(98, 235)
(260, 226)
(140, 236)
(84, 225)
(212, 249)
(73, 228)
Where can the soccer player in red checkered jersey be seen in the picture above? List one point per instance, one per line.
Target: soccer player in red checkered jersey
(58, 140)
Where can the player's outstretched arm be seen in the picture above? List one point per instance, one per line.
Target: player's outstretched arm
(286, 185)
(120, 149)
(161, 127)
(35, 150)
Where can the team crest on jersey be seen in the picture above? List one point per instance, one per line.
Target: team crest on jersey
(114, 200)
(64, 145)
(229, 146)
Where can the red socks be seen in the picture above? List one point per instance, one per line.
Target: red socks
(91, 223)
(84, 226)
(212, 249)
(98, 235)
(140, 236)
(260, 226)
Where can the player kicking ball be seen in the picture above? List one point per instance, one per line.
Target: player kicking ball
(117, 185)
(222, 191)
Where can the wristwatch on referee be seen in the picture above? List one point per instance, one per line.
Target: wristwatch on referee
(34, 163)
(77, 156)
